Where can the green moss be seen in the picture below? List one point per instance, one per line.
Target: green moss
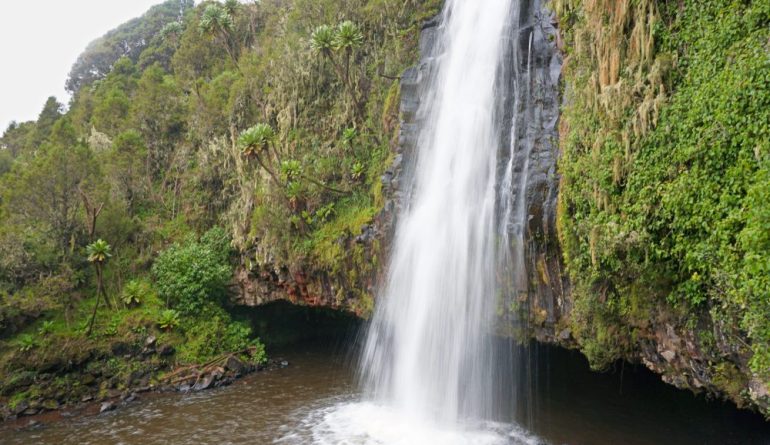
(18, 398)
(662, 188)
(729, 378)
(328, 242)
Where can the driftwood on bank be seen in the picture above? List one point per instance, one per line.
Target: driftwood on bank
(193, 374)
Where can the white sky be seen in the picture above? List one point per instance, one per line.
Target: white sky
(39, 42)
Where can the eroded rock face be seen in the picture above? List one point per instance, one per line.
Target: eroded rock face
(258, 284)
(665, 346)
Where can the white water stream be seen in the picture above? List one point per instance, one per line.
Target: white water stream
(428, 352)
(429, 363)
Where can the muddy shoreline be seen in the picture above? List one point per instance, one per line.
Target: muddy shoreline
(95, 407)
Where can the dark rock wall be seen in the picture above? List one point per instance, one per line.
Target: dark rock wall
(665, 348)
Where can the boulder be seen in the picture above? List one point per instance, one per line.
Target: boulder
(135, 377)
(30, 411)
(107, 406)
(235, 365)
(204, 383)
(120, 348)
(166, 351)
(20, 407)
(5, 412)
(50, 404)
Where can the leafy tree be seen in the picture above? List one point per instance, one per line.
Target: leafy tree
(198, 59)
(17, 138)
(348, 38)
(110, 113)
(98, 254)
(43, 194)
(217, 22)
(128, 40)
(158, 111)
(126, 168)
(193, 277)
(6, 161)
(107, 103)
(329, 42)
(256, 143)
(52, 111)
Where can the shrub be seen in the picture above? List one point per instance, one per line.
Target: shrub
(46, 328)
(194, 276)
(217, 335)
(349, 135)
(322, 39)
(256, 139)
(135, 292)
(357, 171)
(26, 343)
(291, 170)
(348, 36)
(168, 319)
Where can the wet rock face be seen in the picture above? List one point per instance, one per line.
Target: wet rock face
(532, 64)
(309, 285)
(538, 119)
(665, 347)
(397, 180)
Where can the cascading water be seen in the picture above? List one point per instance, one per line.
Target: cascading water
(431, 364)
(428, 352)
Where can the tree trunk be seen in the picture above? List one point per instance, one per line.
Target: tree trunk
(327, 187)
(98, 294)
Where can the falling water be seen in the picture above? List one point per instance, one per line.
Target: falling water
(432, 367)
(429, 351)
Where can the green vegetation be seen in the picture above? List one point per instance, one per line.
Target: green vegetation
(664, 206)
(193, 277)
(135, 292)
(199, 139)
(98, 252)
(168, 319)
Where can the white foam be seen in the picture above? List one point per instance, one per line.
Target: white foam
(367, 423)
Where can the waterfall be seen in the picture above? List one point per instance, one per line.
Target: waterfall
(429, 351)
(474, 198)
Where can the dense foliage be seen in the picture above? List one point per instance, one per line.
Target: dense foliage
(128, 40)
(665, 208)
(193, 277)
(198, 139)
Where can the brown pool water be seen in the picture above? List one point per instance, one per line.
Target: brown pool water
(315, 400)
